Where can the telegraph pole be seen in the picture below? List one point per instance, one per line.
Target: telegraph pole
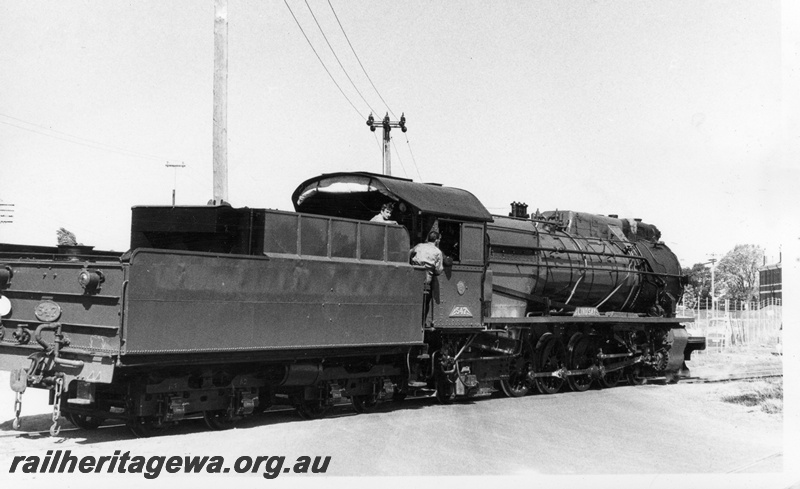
(220, 102)
(713, 262)
(387, 126)
(175, 182)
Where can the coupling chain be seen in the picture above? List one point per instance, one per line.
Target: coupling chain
(17, 410)
(55, 429)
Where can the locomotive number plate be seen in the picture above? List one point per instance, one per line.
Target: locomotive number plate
(460, 312)
(47, 311)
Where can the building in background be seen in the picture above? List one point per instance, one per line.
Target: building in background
(770, 284)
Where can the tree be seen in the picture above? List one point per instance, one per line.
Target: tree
(700, 281)
(737, 272)
(689, 296)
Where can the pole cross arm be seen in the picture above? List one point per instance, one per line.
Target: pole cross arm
(387, 124)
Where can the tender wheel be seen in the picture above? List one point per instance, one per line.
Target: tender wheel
(312, 409)
(582, 355)
(518, 383)
(85, 421)
(364, 404)
(218, 420)
(147, 427)
(550, 356)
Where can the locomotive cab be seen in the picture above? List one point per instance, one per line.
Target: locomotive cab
(457, 294)
(459, 300)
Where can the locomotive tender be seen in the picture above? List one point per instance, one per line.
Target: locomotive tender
(223, 312)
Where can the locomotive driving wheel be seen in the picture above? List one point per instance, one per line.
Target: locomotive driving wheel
(582, 355)
(549, 356)
(611, 379)
(518, 383)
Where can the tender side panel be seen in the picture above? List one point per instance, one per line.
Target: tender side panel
(195, 302)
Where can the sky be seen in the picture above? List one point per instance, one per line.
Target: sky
(681, 113)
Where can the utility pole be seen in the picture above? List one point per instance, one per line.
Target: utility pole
(712, 261)
(387, 127)
(175, 182)
(220, 143)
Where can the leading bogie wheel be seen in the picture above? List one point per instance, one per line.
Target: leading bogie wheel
(635, 377)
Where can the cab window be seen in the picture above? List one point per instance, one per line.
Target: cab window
(450, 239)
(462, 241)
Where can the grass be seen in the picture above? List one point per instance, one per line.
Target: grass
(766, 394)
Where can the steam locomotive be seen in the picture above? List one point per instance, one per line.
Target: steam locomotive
(224, 312)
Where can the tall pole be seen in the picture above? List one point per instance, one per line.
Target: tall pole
(220, 101)
(387, 150)
(387, 126)
(713, 262)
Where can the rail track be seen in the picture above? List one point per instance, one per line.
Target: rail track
(752, 375)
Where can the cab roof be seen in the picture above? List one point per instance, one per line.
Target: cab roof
(350, 190)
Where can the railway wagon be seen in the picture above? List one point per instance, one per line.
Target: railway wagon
(223, 312)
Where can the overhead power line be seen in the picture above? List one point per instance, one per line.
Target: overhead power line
(320, 59)
(359, 61)
(399, 159)
(70, 138)
(408, 143)
(330, 75)
(414, 160)
(337, 57)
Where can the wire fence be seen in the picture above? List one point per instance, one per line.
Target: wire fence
(725, 305)
(738, 325)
